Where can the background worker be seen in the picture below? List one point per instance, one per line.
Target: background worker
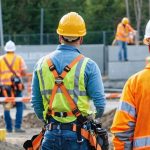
(83, 83)
(15, 68)
(131, 122)
(123, 34)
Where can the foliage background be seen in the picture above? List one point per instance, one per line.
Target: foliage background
(23, 16)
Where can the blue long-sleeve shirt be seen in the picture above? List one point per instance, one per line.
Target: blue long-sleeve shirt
(62, 56)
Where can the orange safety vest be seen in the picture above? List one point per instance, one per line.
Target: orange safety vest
(122, 33)
(131, 124)
(16, 62)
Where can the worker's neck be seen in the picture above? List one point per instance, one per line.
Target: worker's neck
(71, 44)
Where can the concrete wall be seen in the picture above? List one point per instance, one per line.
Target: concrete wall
(31, 54)
(122, 70)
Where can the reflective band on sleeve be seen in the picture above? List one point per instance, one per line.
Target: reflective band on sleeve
(141, 142)
(124, 136)
(124, 106)
(131, 124)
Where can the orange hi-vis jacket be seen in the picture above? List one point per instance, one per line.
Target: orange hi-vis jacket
(122, 33)
(17, 63)
(131, 124)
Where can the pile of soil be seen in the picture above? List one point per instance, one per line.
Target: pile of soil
(107, 119)
(9, 146)
(30, 121)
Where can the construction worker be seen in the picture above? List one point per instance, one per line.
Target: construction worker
(12, 67)
(131, 122)
(63, 80)
(123, 34)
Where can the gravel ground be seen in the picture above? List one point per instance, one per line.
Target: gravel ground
(32, 125)
(14, 141)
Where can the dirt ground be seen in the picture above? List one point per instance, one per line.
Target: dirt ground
(32, 125)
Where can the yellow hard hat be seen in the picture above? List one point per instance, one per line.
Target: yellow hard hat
(71, 24)
(125, 20)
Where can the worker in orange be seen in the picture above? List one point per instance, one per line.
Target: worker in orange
(123, 34)
(131, 124)
(12, 67)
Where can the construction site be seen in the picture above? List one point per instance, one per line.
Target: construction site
(107, 51)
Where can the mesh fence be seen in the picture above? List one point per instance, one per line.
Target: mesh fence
(96, 37)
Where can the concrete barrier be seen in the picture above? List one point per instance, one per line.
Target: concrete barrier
(122, 70)
(32, 53)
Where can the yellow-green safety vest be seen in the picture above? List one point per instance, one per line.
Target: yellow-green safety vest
(73, 81)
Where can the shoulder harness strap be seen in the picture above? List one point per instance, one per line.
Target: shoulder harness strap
(59, 84)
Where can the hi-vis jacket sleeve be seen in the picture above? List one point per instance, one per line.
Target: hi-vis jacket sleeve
(125, 119)
(130, 28)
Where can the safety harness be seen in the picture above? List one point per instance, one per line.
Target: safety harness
(17, 84)
(59, 84)
(81, 120)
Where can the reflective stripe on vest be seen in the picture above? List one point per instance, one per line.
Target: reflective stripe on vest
(142, 142)
(74, 82)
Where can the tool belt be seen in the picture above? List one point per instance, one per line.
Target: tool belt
(17, 84)
(98, 140)
(59, 126)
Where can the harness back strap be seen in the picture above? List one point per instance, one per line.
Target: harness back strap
(61, 86)
(10, 66)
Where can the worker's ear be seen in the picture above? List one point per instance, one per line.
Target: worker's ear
(60, 39)
(81, 40)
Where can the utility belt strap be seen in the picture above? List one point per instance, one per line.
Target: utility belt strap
(91, 137)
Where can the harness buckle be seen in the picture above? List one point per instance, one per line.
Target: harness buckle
(61, 114)
(75, 111)
(59, 80)
(52, 67)
(67, 68)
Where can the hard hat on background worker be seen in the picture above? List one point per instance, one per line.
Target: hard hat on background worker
(146, 40)
(72, 24)
(125, 21)
(10, 46)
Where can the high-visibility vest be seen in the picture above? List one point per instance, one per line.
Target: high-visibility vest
(73, 82)
(122, 33)
(131, 124)
(17, 64)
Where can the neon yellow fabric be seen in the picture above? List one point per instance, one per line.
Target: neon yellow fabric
(60, 104)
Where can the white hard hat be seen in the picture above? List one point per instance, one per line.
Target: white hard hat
(10, 46)
(147, 30)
